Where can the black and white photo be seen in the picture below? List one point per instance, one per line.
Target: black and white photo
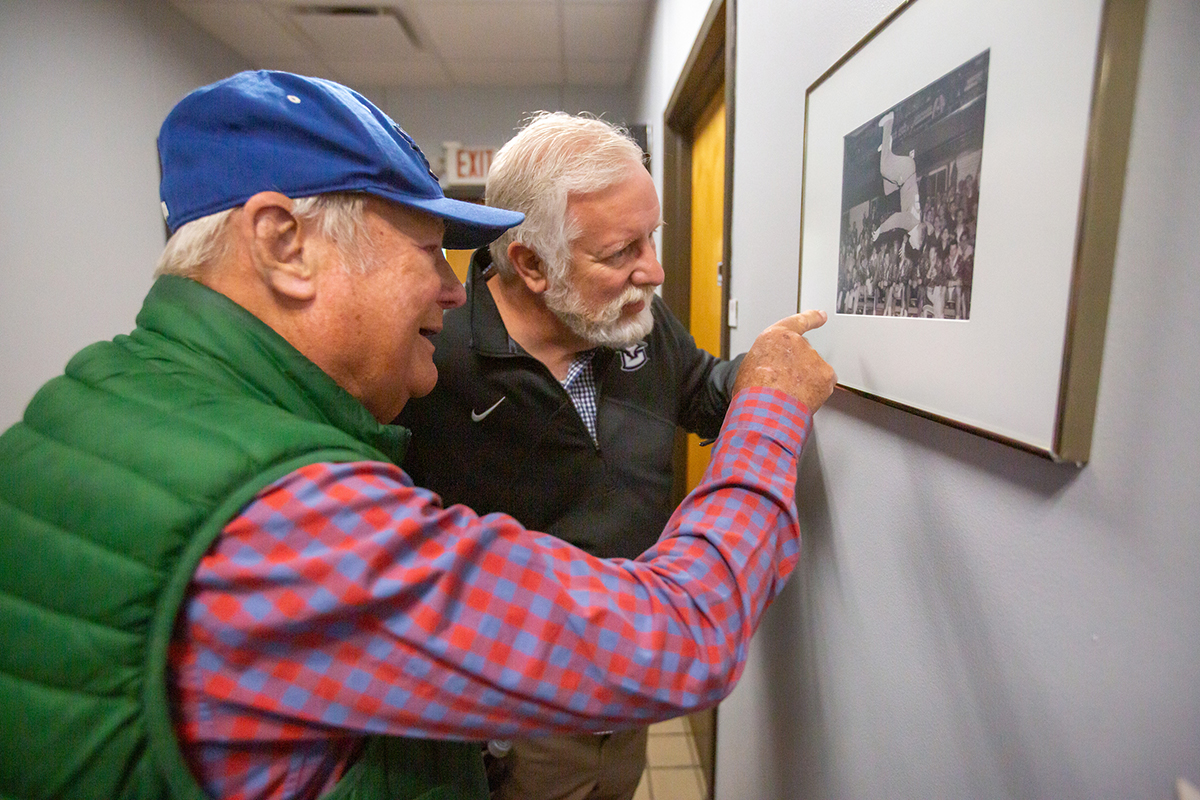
(910, 202)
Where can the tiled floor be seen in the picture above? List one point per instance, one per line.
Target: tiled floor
(672, 765)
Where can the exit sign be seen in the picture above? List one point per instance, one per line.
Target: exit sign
(466, 165)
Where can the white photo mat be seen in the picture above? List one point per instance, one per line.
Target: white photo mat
(1000, 372)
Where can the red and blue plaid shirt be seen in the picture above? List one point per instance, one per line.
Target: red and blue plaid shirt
(343, 600)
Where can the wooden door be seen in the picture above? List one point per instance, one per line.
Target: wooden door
(708, 241)
(460, 262)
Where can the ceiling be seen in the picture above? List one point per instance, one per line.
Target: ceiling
(434, 43)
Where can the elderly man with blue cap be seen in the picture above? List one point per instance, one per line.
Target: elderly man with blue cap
(216, 580)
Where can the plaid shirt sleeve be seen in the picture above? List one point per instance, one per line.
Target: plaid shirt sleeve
(344, 600)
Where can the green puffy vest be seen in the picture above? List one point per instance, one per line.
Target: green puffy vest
(120, 476)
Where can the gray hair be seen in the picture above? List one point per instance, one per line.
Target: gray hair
(554, 155)
(203, 243)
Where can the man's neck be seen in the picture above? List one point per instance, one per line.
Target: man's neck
(534, 327)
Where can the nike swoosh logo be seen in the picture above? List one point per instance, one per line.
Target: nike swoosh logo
(479, 417)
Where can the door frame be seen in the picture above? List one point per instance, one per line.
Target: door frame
(709, 65)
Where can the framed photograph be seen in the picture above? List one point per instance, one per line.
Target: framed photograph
(963, 172)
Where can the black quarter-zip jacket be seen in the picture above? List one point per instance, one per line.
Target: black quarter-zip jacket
(499, 433)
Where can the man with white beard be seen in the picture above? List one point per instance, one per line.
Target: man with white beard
(561, 384)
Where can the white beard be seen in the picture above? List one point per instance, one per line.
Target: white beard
(603, 326)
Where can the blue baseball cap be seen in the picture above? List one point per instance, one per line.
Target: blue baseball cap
(274, 131)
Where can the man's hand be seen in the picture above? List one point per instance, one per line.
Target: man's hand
(781, 358)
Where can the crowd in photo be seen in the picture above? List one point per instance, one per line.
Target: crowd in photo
(925, 271)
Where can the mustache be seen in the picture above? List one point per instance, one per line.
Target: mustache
(635, 294)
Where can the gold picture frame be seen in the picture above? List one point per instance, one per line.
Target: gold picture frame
(1007, 125)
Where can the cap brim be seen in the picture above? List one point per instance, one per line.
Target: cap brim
(468, 225)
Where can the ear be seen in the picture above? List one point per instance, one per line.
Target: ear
(529, 267)
(277, 246)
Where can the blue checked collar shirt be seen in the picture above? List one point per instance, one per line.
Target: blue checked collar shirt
(580, 384)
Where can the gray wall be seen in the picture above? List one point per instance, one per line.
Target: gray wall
(970, 621)
(674, 26)
(84, 86)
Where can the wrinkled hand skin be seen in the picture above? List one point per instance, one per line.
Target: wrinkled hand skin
(781, 358)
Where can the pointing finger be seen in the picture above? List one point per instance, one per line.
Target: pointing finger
(806, 321)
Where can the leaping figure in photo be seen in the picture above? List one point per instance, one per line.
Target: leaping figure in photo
(900, 172)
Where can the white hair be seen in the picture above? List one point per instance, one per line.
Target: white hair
(553, 156)
(195, 246)
(204, 243)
